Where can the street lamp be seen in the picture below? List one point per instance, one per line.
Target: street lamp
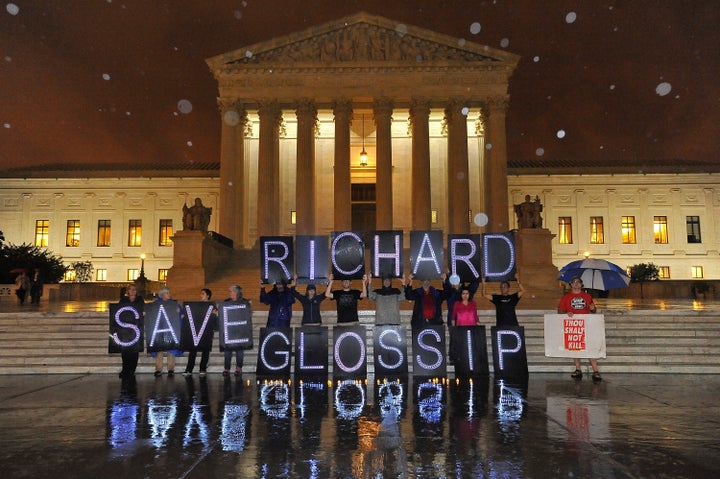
(142, 267)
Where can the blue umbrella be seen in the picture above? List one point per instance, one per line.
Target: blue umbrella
(595, 274)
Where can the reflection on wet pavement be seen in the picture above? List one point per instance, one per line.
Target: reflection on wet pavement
(628, 426)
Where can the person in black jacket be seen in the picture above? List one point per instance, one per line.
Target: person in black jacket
(130, 358)
(310, 303)
(428, 303)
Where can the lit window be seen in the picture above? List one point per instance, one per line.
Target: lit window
(69, 275)
(166, 232)
(72, 238)
(103, 238)
(693, 229)
(628, 229)
(101, 275)
(162, 274)
(42, 228)
(135, 233)
(293, 217)
(696, 272)
(565, 230)
(660, 229)
(664, 272)
(434, 216)
(597, 234)
(133, 274)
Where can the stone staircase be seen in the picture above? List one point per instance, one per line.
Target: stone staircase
(672, 341)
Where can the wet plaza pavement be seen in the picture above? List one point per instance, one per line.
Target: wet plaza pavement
(628, 426)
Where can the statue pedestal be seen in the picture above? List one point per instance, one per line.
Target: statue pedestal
(196, 257)
(533, 249)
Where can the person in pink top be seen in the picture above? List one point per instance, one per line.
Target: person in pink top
(465, 311)
(578, 301)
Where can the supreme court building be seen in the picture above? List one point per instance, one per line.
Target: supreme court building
(362, 124)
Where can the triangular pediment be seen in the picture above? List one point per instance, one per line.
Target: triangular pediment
(362, 38)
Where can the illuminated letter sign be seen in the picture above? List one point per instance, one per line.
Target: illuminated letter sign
(274, 353)
(311, 258)
(386, 259)
(311, 351)
(426, 254)
(390, 349)
(276, 258)
(347, 253)
(471, 350)
(126, 328)
(509, 357)
(235, 325)
(499, 256)
(349, 352)
(465, 256)
(162, 325)
(429, 352)
(197, 329)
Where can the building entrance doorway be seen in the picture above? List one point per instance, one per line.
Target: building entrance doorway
(363, 207)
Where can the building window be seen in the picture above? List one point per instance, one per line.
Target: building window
(162, 274)
(693, 229)
(103, 238)
(166, 231)
(597, 234)
(101, 275)
(69, 275)
(72, 238)
(628, 229)
(660, 229)
(135, 233)
(133, 274)
(42, 229)
(696, 272)
(293, 217)
(434, 216)
(664, 272)
(565, 230)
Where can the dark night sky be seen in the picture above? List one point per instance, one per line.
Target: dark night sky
(96, 81)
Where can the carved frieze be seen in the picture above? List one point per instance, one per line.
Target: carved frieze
(362, 42)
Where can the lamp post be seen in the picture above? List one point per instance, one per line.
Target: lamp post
(141, 281)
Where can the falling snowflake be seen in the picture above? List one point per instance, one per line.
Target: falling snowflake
(184, 106)
(12, 9)
(475, 28)
(663, 88)
(540, 152)
(570, 17)
(561, 133)
(401, 29)
(505, 42)
(105, 76)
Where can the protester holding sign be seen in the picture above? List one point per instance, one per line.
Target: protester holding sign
(387, 300)
(310, 302)
(465, 311)
(163, 296)
(347, 301)
(428, 303)
(205, 295)
(236, 295)
(577, 301)
(505, 303)
(280, 299)
(130, 355)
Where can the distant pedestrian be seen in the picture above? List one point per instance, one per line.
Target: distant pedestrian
(36, 287)
(23, 287)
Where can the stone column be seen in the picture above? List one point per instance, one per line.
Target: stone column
(342, 109)
(305, 177)
(382, 111)
(268, 200)
(232, 221)
(420, 124)
(458, 187)
(495, 166)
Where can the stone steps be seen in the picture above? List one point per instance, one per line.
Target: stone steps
(684, 342)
